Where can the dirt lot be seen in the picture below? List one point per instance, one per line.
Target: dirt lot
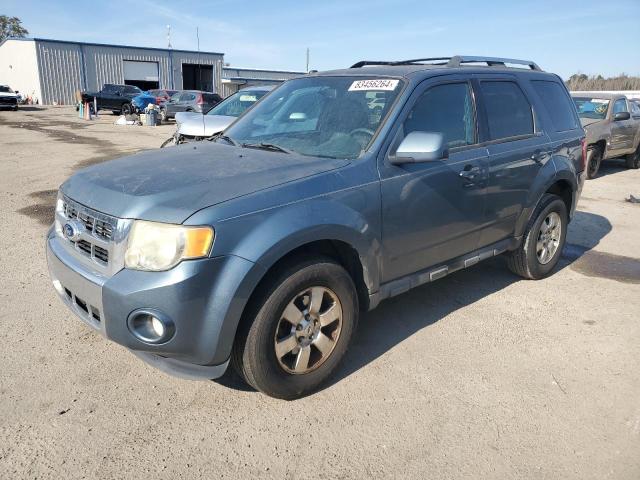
(479, 375)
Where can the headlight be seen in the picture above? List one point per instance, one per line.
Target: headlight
(59, 211)
(159, 246)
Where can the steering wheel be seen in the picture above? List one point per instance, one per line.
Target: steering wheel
(362, 131)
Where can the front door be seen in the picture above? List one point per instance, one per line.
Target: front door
(432, 211)
(622, 131)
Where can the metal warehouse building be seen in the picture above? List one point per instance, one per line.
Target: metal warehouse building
(53, 70)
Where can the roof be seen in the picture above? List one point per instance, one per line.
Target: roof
(166, 50)
(405, 68)
(229, 67)
(596, 94)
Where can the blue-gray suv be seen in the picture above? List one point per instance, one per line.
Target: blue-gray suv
(338, 190)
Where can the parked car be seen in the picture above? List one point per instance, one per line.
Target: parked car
(195, 127)
(189, 101)
(8, 98)
(116, 98)
(261, 248)
(611, 129)
(162, 95)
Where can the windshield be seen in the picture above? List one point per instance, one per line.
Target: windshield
(238, 103)
(594, 108)
(334, 117)
(5, 89)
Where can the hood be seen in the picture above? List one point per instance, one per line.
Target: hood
(8, 94)
(184, 116)
(203, 125)
(589, 121)
(170, 184)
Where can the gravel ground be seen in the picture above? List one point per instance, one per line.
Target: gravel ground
(479, 375)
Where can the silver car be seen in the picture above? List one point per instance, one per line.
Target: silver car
(194, 126)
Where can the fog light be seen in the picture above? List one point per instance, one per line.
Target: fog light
(151, 326)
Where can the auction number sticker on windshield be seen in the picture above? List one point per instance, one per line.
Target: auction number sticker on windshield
(381, 84)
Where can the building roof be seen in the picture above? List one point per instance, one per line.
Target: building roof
(109, 45)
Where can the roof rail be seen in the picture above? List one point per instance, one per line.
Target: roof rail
(455, 61)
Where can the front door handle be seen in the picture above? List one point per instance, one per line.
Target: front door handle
(469, 173)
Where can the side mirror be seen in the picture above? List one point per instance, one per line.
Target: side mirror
(420, 147)
(621, 116)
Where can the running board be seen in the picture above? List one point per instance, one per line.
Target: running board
(404, 284)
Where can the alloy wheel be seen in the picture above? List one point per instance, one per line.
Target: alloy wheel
(549, 237)
(308, 330)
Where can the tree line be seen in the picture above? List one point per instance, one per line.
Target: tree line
(580, 81)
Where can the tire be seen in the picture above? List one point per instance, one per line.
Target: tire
(526, 260)
(167, 142)
(126, 109)
(633, 159)
(15, 109)
(300, 367)
(594, 158)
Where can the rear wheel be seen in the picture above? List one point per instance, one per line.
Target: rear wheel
(543, 241)
(633, 159)
(297, 329)
(126, 109)
(594, 158)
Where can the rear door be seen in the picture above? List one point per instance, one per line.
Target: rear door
(517, 150)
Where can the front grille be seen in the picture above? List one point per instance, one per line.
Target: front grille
(99, 228)
(98, 234)
(8, 101)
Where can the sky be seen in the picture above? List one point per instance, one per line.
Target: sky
(565, 37)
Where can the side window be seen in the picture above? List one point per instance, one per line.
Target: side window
(620, 106)
(447, 109)
(508, 110)
(187, 97)
(557, 104)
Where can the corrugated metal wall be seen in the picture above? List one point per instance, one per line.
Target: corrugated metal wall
(67, 67)
(247, 77)
(60, 71)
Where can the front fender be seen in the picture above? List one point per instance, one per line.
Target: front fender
(267, 236)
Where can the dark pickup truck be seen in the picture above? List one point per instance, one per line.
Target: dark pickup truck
(116, 98)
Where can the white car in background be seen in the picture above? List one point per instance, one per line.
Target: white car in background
(196, 126)
(9, 98)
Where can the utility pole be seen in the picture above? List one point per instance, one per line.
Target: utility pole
(169, 37)
(307, 59)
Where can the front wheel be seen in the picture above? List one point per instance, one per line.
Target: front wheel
(594, 158)
(169, 141)
(543, 241)
(297, 329)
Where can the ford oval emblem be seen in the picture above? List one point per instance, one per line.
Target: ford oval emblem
(71, 231)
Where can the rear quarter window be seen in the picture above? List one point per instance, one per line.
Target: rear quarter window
(557, 104)
(508, 110)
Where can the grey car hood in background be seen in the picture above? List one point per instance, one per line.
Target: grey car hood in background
(196, 125)
(589, 121)
(170, 184)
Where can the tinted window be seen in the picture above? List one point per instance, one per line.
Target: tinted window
(187, 97)
(211, 97)
(620, 106)
(508, 110)
(557, 104)
(108, 88)
(447, 109)
(132, 89)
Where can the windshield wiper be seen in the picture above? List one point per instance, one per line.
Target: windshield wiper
(226, 138)
(267, 146)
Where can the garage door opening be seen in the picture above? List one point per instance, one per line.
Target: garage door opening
(197, 77)
(141, 74)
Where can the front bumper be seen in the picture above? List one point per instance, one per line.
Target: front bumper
(204, 298)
